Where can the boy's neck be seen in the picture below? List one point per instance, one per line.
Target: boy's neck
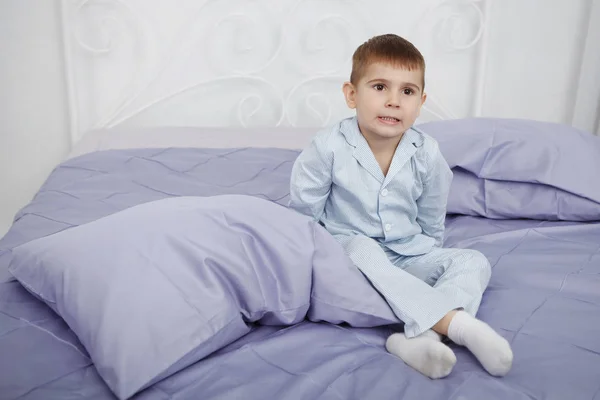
(383, 150)
(383, 146)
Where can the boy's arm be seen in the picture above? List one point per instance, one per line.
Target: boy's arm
(433, 201)
(311, 180)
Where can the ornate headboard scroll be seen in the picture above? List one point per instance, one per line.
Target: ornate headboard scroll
(251, 63)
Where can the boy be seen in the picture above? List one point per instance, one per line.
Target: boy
(380, 187)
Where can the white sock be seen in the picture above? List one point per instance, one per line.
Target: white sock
(491, 349)
(425, 353)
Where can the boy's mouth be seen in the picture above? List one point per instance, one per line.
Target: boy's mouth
(389, 120)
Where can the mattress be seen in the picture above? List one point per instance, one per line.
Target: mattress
(543, 297)
(118, 138)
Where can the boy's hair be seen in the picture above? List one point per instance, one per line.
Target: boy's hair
(388, 48)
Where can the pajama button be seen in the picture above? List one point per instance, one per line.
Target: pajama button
(388, 227)
(384, 192)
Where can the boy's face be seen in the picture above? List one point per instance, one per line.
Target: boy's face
(387, 100)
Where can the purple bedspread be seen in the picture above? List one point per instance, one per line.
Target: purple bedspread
(543, 297)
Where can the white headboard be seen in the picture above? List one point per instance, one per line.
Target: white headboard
(249, 63)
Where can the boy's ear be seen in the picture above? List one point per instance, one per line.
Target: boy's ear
(350, 94)
(423, 98)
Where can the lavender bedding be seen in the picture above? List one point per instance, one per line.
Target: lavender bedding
(180, 273)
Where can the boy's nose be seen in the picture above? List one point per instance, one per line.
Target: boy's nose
(393, 102)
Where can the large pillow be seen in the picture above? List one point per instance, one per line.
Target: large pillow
(510, 168)
(159, 286)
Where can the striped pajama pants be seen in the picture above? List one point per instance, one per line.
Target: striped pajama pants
(421, 289)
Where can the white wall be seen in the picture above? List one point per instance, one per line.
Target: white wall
(533, 68)
(33, 137)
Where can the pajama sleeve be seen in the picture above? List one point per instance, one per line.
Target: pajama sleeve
(432, 203)
(311, 180)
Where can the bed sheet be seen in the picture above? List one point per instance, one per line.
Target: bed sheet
(543, 298)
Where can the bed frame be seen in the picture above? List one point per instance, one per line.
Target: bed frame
(260, 63)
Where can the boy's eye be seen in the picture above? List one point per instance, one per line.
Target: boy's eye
(379, 87)
(408, 92)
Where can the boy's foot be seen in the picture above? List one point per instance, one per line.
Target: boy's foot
(425, 353)
(491, 349)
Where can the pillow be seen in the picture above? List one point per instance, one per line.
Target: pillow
(156, 287)
(471, 195)
(509, 168)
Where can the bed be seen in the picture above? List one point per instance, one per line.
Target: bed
(159, 260)
(84, 314)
